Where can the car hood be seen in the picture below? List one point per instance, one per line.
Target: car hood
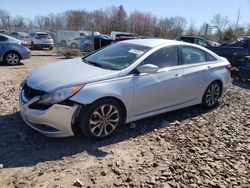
(67, 73)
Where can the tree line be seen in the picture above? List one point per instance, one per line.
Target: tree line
(115, 18)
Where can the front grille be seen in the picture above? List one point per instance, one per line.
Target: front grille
(30, 93)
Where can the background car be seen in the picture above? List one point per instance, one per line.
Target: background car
(99, 42)
(121, 83)
(20, 35)
(40, 40)
(77, 42)
(12, 50)
(4, 32)
(121, 37)
(244, 69)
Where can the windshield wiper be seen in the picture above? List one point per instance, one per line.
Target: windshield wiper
(93, 63)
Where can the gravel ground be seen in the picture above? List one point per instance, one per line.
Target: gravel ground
(185, 148)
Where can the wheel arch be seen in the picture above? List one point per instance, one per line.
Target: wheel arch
(121, 103)
(220, 83)
(13, 51)
(75, 124)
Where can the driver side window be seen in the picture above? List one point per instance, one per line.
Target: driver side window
(164, 57)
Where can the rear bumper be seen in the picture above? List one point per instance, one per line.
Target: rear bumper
(55, 121)
(43, 45)
(26, 55)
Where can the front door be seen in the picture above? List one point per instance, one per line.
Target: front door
(160, 90)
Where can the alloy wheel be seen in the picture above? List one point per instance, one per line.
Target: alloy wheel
(12, 59)
(213, 94)
(104, 120)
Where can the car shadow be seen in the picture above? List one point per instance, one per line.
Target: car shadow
(6, 65)
(21, 146)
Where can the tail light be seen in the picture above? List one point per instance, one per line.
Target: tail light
(25, 44)
(229, 67)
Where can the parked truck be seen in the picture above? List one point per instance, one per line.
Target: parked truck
(235, 52)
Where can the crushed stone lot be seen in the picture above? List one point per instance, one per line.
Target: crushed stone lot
(185, 148)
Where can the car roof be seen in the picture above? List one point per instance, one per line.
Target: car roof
(152, 42)
(40, 32)
(9, 37)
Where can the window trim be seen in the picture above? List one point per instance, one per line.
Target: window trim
(165, 47)
(204, 52)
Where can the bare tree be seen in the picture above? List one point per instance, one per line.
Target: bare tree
(4, 19)
(191, 30)
(165, 26)
(248, 30)
(238, 17)
(179, 25)
(220, 22)
(19, 21)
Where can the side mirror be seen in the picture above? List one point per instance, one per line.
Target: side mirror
(148, 68)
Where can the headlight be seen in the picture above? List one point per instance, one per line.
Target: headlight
(59, 95)
(23, 82)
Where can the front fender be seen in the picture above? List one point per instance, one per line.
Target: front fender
(120, 88)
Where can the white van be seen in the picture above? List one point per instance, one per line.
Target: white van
(67, 38)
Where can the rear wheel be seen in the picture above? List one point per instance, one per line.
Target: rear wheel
(87, 47)
(63, 43)
(101, 119)
(212, 94)
(11, 58)
(73, 45)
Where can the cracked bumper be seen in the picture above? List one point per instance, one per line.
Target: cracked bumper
(55, 121)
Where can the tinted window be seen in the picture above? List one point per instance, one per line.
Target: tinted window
(187, 39)
(32, 34)
(43, 36)
(199, 42)
(165, 57)
(2, 39)
(192, 55)
(210, 57)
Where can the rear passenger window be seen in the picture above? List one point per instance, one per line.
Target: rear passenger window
(164, 57)
(210, 57)
(192, 55)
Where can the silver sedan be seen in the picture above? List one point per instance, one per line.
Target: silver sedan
(121, 83)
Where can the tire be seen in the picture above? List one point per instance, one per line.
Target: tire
(51, 48)
(63, 43)
(95, 125)
(11, 58)
(33, 47)
(212, 94)
(87, 47)
(74, 45)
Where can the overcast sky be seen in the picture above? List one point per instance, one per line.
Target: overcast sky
(198, 10)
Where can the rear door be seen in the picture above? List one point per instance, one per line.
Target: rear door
(197, 65)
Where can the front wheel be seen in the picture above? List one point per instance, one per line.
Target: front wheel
(101, 119)
(11, 58)
(212, 94)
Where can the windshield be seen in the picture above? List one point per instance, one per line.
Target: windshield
(117, 56)
(43, 36)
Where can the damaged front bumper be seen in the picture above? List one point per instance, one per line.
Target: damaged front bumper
(56, 121)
